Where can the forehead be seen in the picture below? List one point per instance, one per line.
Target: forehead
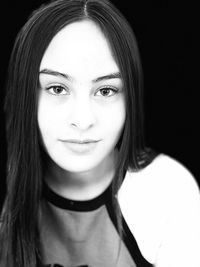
(81, 50)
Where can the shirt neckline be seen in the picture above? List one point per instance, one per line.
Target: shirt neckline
(76, 205)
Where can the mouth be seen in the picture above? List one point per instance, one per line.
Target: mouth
(76, 141)
(80, 146)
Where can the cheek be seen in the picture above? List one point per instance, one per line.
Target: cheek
(53, 119)
(47, 118)
(113, 120)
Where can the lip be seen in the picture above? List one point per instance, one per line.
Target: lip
(77, 141)
(80, 147)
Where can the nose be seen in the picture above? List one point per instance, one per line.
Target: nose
(82, 114)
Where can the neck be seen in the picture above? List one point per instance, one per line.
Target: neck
(82, 185)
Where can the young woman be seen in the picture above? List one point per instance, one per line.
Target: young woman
(82, 188)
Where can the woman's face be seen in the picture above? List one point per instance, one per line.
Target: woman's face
(81, 106)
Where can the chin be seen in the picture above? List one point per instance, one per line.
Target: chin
(77, 164)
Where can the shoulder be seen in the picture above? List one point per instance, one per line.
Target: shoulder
(163, 176)
(151, 198)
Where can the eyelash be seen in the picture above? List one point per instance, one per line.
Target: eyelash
(113, 89)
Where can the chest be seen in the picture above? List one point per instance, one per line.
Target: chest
(82, 238)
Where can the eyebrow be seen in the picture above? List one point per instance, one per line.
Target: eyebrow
(68, 77)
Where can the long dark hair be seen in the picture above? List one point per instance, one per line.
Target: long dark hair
(19, 239)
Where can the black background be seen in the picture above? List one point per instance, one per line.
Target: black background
(167, 32)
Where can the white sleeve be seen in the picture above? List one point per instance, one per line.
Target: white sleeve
(180, 243)
(161, 205)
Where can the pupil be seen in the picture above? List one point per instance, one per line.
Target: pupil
(58, 89)
(105, 91)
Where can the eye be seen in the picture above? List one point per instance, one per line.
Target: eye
(108, 91)
(57, 90)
